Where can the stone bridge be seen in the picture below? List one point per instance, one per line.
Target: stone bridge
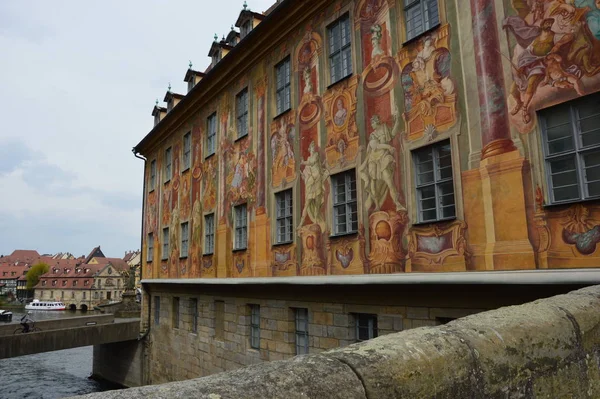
(549, 348)
(67, 333)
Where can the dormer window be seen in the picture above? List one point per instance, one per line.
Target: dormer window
(156, 118)
(216, 57)
(170, 105)
(246, 28)
(191, 83)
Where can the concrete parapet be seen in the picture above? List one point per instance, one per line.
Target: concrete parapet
(52, 340)
(547, 348)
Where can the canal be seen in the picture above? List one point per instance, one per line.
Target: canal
(50, 375)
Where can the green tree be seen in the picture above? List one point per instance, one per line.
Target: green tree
(34, 273)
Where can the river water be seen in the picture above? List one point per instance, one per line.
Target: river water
(50, 375)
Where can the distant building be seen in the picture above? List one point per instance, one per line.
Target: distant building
(83, 285)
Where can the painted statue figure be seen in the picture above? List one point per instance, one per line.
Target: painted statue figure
(308, 89)
(376, 36)
(377, 170)
(314, 175)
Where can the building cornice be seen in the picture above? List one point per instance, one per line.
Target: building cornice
(249, 51)
(517, 277)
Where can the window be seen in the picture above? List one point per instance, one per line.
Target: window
(168, 164)
(284, 220)
(184, 239)
(44, 283)
(340, 49)
(209, 234)
(153, 175)
(187, 151)
(241, 227)
(150, 254)
(156, 310)
(64, 283)
(62, 295)
(83, 295)
(54, 283)
(176, 312)
(366, 326)
(420, 15)
(194, 312)
(345, 214)
(75, 283)
(219, 319)
(301, 331)
(242, 113)
(86, 282)
(571, 135)
(165, 248)
(283, 89)
(191, 83)
(72, 294)
(255, 326)
(435, 188)
(211, 137)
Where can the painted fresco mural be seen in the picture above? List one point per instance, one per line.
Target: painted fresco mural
(555, 56)
(401, 96)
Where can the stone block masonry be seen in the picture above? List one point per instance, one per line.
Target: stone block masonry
(549, 348)
(221, 341)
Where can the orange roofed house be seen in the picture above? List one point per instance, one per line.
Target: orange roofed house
(346, 169)
(85, 282)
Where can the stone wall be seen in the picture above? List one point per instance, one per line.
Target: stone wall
(331, 325)
(547, 348)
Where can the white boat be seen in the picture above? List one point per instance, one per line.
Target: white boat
(5, 315)
(43, 305)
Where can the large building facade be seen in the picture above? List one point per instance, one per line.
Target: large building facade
(366, 137)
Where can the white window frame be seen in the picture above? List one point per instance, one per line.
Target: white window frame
(209, 234)
(241, 108)
(168, 164)
(346, 207)
(301, 333)
(340, 48)
(283, 86)
(187, 151)
(211, 136)
(284, 219)
(368, 322)
(437, 183)
(150, 253)
(254, 326)
(185, 239)
(429, 19)
(577, 153)
(165, 245)
(240, 225)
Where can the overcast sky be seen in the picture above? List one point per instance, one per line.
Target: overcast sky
(78, 80)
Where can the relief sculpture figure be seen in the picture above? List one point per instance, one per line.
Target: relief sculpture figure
(377, 170)
(314, 175)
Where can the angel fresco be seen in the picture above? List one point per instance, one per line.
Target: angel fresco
(557, 46)
(429, 91)
(284, 162)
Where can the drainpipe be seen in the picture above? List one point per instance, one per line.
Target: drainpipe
(136, 154)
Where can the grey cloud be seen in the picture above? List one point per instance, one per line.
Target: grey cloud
(13, 154)
(44, 176)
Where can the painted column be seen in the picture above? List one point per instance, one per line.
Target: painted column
(495, 131)
(494, 199)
